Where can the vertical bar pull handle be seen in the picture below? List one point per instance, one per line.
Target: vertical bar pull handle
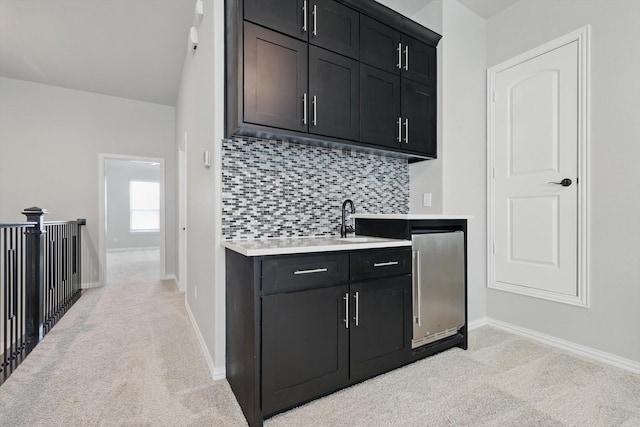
(304, 109)
(304, 16)
(399, 129)
(357, 317)
(399, 64)
(406, 58)
(315, 19)
(417, 294)
(406, 131)
(346, 308)
(315, 110)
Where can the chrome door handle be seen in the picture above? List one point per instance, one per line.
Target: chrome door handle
(399, 129)
(416, 288)
(406, 58)
(304, 16)
(315, 110)
(565, 182)
(304, 109)
(315, 270)
(406, 131)
(357, 298)
(346, 307)
(399, 64)
(385, 264)
(315, 19)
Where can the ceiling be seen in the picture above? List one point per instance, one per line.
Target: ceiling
(127, 48)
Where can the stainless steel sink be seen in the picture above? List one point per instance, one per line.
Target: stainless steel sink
(360, 239)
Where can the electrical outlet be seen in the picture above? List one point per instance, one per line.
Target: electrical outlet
(426, 199)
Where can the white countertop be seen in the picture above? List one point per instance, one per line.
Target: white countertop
(299, 245)
(411, 216)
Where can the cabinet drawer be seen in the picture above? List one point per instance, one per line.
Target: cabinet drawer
(379, 263)
(300, 272)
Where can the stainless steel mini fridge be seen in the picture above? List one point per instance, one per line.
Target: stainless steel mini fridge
(438, 285)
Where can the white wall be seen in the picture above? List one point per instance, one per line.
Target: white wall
(613, 321)
(50, 139)
(464, 138)
(199, 112)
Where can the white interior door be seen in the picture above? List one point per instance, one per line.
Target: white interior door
(535, 169)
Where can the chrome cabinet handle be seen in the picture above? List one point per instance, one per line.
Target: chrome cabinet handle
(357, 317)
(315, 19)
(399, 64)
(399, 129)
(315, 110)
(416, 288)
(304, 16)
(406, 131)
(304, 109)
(406, 58)
(346, 307)
(315, 270)
(385, 264)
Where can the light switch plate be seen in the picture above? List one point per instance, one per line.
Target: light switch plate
(426, 199)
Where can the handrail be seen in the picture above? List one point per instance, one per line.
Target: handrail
(17, 224)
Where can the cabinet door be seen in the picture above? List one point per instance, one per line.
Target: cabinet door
(334, 94)
(418, 61)
(380, 45)
(286, 16)
(379, 107)
(419, 118)
(305, 345)
(380, 337)
(334, 27)
(275, 79)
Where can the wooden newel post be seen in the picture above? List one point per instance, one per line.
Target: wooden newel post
(34, 292)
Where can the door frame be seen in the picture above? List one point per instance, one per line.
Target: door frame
(182, 213)
(582, 299)
(102, 232)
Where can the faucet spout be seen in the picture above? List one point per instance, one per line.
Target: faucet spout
(344, 228)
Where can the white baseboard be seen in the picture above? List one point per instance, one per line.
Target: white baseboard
(568, 346)
(170, 277)
(217, 373)
(475, 324)
(142, 248)
(91, 285)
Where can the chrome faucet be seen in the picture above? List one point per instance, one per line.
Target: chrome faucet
(344, 228)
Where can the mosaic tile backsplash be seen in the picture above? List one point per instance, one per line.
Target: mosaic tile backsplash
(281, 189)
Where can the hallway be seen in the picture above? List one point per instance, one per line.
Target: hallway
(123, 355)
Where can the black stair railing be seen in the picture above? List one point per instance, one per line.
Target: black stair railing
(40, 277)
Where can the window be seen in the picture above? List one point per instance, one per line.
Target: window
(144, 205)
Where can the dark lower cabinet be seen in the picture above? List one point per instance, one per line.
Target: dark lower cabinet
(305, 346)
(275, 79)
(419, 116)
(333, 94)
(329, 324)
(380, 326)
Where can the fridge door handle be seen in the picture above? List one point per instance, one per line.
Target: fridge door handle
(417, 315)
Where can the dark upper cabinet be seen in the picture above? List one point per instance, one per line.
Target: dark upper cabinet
(419, 118)
(418, 61)
(335, 27)
(333, 94)
(379, 107)
(286, 16)
(305, 346)
(380, 325)
(275, 79)
(380, 45)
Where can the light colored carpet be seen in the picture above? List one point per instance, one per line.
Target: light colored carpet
(133, 266)
(127, 356)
